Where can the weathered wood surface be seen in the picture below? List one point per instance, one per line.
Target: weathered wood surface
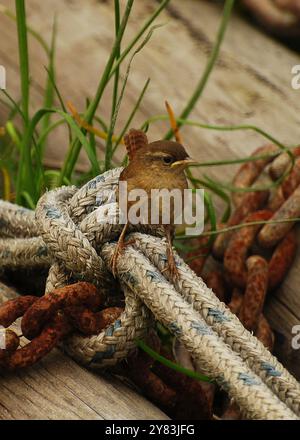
(251, 84)
(58, 388)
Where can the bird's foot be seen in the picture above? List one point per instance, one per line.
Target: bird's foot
(121, 245)
(171, 265)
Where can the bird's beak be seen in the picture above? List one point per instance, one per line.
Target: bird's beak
(184, 163)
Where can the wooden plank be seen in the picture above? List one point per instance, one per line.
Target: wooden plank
(247, 86)
(58, 388)
(250, 85)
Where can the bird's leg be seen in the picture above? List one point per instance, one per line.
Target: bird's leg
(171, 265)
(120, 246)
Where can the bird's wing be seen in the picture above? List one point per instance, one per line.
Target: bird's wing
(134, 140)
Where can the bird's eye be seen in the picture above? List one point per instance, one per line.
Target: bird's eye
(167, 160)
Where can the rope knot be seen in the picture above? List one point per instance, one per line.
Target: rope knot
(70, 233)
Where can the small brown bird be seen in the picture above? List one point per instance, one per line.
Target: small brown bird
(156, 165)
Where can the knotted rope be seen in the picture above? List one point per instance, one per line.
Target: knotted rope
(70, 233)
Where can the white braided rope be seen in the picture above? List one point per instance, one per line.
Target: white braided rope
(68, 220)
(23, 252)
(211, 354)
(16, 221)
(117, 341)
(217, 315)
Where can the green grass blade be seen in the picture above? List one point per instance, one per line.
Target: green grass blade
(109, 151)
(173, 365)
(213, 186)
(209, 66)
(138, 36)
(27, 197)
(58, 94)
(232, 188)
(211, 214)
(15, 107)
(75, 148)
(59, 97)
(106, 74)
(23, 56)
(102, 123)
(239, 226)
(27, 179)
(52, 178)
(12, 132)
(92, 142)
(118, 51)
(132, 114)
(44, 134)
(240, 127)
(91, 153)
(115, 88)
(30, 30)
(49, 89)
(7, 104)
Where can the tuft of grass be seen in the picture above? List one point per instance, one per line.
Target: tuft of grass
(114, 61)
(28, 176)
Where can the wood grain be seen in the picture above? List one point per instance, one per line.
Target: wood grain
(59, 389)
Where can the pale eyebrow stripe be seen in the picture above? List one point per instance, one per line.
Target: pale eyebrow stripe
(158, 154)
